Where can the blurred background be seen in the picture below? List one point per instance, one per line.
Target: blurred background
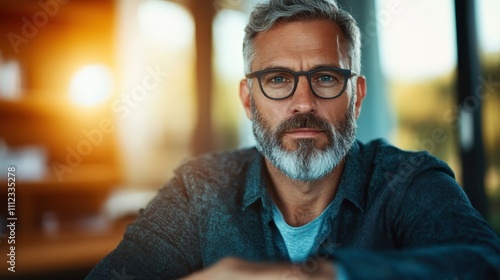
(101, 99)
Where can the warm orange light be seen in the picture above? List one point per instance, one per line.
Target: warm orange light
(91, 85)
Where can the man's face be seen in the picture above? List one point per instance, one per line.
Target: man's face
(302, 128)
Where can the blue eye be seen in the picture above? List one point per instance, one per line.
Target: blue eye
(278, 79)
(326, 78)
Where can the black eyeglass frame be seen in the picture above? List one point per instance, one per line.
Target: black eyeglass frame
(347, 73)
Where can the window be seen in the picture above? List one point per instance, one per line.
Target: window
(156, 107)
(489, 45)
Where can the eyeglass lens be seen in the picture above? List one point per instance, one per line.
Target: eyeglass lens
(324, 83)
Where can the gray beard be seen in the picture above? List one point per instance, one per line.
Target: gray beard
(307, 163)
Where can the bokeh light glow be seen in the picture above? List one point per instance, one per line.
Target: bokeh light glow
(418, 42)
(91, 85)
(167, 25)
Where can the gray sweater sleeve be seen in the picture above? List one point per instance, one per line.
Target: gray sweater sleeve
(161, 242)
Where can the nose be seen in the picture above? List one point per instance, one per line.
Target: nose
(303, 100)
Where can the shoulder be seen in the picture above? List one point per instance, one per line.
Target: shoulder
(228, 162)
(209, 179)
(218, 169)
(414, 188)
(392, 163)
(397, 175)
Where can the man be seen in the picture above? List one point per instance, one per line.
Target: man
(309, 202)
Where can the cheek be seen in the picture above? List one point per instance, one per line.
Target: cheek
(335, 111)
(270, 112)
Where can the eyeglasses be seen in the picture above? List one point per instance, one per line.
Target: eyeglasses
(325, 82)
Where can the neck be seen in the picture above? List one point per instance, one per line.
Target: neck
(301, 202)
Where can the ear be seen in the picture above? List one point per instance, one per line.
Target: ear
(360, 94)
(245, 97)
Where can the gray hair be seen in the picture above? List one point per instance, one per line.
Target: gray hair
(265, 15)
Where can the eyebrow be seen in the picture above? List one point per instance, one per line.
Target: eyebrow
(311, 69)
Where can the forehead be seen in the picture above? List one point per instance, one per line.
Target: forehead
(299, 45)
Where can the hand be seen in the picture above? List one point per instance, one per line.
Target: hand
(237, 269)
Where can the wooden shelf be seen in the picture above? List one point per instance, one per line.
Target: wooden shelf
(39, 253)
(46, 107)
(87, 177)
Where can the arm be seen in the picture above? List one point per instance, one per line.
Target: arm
(152, 246)
(237, 269)
(440, 262)
(440, 236)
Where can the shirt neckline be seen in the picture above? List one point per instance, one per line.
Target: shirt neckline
(351, 185)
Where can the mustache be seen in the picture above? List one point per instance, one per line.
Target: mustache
(307, 120)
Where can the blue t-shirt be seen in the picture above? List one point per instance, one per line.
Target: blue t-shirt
(299, 241)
